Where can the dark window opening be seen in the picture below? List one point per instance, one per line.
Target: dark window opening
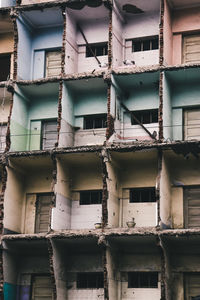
(139, 195)
(145, 116)
(89, 280)
(95, 121)
(90, 197)
(145, 44)
(97, 49)
(142, 280)
(5, 67)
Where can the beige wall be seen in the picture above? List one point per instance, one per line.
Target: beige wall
(25, 2)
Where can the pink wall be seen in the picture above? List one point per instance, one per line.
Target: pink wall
(184, 21)
(168, 38)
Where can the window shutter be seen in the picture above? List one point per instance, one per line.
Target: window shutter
(42, 288)
(192, 207)
(191, 49)
(192, 286)
(49, 134)
(192, 124)
(3, 129)
(43, 210)
(53, 63)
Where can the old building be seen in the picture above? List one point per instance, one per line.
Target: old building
(99, 149)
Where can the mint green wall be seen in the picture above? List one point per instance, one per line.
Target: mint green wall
(10, 291)
(25, 120)
(19, 122)
(90, 103)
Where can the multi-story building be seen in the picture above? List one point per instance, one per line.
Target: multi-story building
(100, 143)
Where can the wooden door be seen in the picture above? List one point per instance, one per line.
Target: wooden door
(53, 63)
(192, 286)
(192, 124)
(192, 207)
(191, 49)
(43, 210)
(49, 134)
(42, 288)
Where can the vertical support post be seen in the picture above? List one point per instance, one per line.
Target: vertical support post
(105, 192)
(160, 111)
(161, 33)
(50, 251)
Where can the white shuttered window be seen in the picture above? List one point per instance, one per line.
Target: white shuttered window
(191, 49)
(53, 63)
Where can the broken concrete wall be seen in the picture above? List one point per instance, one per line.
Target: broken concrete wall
(165, 194)
(10, 275)
(168, 37)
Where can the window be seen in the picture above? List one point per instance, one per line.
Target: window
(145, 116)
(90, 197)
(192, 124)
(5, 67)
(95, 121)
(139, 195)
(42, 288)
(192, 207)
(192, 286)
(191, 49)
(49, 134)
(43, 210)
(142, 280)
(97, 49)
(145, 44)
(53, 63)
(89, 280)
(3, 129)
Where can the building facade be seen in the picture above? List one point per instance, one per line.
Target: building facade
(99, 149)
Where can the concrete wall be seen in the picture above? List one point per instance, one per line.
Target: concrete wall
(138, 263)
(20, 197)
(182, 174)
(167, 109)
(134, 28)
(33, 43)
(5, 98)
(141, 171)
(117, 38)
(83, 263)
(76, 105)
(71, 58)
(167, 34)
(113, 193)
(165, 195)
(86, 64)
(113, 273)
(184, 21)
(141, 98)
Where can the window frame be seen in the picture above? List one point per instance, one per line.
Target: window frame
(140, 114)
(94, 47)
(103, 118)
(143, 40)
(152, 195)
(90, 202)
(138, 278)
(86, 276)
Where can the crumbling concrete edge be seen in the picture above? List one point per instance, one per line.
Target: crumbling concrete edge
(50, 251)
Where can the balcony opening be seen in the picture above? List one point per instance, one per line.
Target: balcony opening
(145, 116)
(142, 195)
(97, 50)
(143, 280)
(95, 121)
(90, 280)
